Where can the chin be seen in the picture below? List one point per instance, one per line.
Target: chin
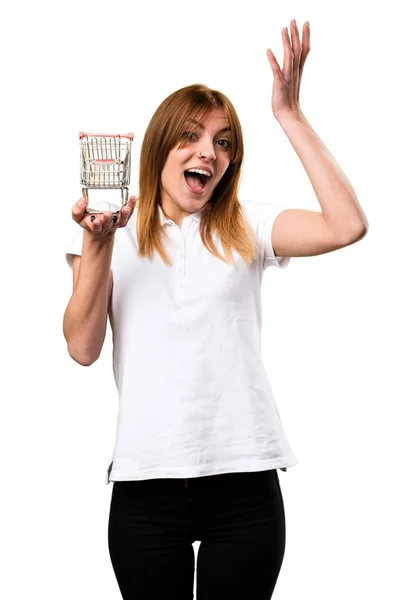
(193, 202)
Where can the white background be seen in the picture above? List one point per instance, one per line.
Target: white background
(333, 325)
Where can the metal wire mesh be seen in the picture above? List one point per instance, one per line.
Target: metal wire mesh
(105, 161)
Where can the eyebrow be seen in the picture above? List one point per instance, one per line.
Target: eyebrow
(201, 126)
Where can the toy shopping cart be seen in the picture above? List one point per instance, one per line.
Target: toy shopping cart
(105, 165)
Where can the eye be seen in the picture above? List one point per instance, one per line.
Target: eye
(188, 135)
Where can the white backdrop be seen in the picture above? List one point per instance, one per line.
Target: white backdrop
(333, 325)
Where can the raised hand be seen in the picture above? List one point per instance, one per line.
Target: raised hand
(286, 85)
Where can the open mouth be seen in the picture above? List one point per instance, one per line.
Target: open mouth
(196, 182)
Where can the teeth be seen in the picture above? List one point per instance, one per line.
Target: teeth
(202, 171)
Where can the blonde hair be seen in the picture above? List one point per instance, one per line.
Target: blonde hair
(223, 212)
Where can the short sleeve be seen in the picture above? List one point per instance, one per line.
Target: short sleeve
(262, 216)
(75, 246)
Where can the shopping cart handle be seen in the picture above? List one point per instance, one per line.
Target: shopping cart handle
(130, 136)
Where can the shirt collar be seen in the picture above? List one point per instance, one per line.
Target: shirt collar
(193, 216)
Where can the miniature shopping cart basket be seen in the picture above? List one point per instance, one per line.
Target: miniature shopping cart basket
(105, 165)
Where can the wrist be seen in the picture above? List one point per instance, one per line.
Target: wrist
(289, 116)
(99, 241)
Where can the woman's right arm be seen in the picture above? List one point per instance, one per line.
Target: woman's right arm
(85, 318)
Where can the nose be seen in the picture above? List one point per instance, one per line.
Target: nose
(206, 150)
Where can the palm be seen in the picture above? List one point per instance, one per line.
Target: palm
(286, 85)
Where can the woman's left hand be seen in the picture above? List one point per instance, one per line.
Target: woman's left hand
(286, 84)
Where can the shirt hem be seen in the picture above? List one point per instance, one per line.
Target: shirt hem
(188, 473)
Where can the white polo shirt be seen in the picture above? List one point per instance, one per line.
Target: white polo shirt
(194, 396)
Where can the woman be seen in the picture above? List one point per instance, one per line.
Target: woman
(199, 435)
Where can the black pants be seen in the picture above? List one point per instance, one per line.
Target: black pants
(239, 519)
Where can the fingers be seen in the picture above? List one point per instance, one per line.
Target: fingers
(99, 223)
(78, 210)
(129, 206)
(126, 212)
(287, 55)
(102, 222)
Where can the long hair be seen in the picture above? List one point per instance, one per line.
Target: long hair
(223, 212)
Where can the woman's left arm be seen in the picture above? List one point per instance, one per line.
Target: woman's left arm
(341, 222)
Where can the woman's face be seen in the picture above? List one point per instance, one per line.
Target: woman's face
(207, 149)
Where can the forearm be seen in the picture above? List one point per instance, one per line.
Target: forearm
(85, 318)
(337, 198)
